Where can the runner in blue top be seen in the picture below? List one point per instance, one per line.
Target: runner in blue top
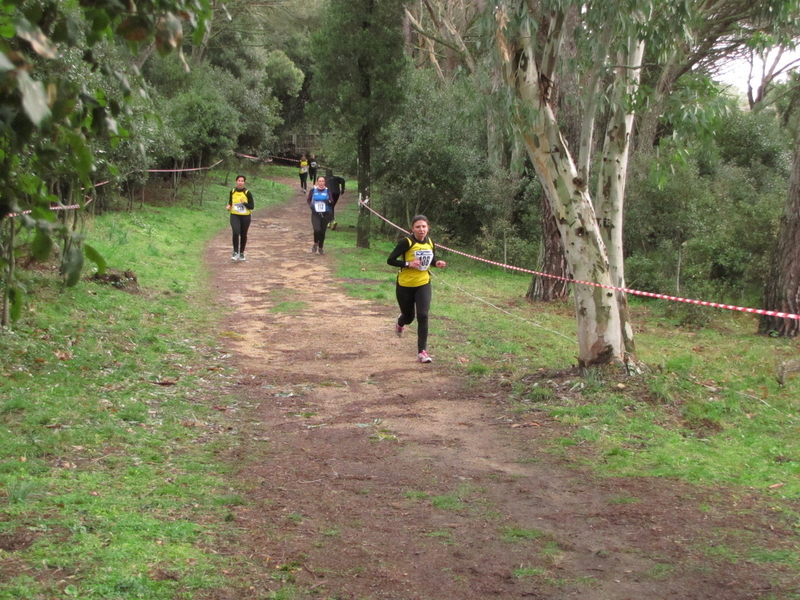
(321, 204)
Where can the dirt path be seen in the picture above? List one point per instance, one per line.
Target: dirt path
(372, 476)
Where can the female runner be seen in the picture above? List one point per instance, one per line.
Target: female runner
(240, 205)
(415, 255)
(321, 204)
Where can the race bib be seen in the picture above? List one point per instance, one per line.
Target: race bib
(425, 258)
(320, 206)
(239, 208)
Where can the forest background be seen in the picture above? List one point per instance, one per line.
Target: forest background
(96, 97)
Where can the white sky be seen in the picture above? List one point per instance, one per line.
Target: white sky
(736, 72)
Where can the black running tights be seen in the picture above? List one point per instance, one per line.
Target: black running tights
(409, 299)
(239, 225)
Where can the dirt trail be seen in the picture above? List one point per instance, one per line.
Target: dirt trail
(372, 476)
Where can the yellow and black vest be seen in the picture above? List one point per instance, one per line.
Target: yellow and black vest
(423, 251)
(239, 202)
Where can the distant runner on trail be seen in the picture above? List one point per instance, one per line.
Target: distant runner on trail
(415, 255)
(240, 205)
(321, 203)
(336, 186)
(312, 169)
(304, 173)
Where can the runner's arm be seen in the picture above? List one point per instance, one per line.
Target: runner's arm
(399, 250)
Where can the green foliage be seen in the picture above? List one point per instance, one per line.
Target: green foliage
(427, 157)
(751, 140)
(512, 230)
(357, 79)
(281, 74)
(206, 124)
(707, 229)
(62, 87)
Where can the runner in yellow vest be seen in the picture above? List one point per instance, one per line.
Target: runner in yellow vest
(415, 255)
(240, 205)
(304, 174)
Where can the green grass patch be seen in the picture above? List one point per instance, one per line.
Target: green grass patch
(416, 495)
(103, 405)
(518, 534)
(289, 307)
(523, 572)
(447, 502)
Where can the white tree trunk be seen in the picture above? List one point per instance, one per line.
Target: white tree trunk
(614, 173)
(598, 319)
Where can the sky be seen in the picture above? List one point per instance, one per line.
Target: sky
(736, 72)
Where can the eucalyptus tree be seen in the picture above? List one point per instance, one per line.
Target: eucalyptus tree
(49, 117)
(702, 40)
(359, 58)
(529, 40)
(782, 288)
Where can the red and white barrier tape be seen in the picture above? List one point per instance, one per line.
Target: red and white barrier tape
(266, 160)
(74, 206)
(755, 311)
(294, 160)
(183, 170)
(60, 207)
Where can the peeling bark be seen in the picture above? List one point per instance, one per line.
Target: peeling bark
(782, 291)
(597, 310)
(614, 174)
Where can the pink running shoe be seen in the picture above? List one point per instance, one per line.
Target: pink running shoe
(423, 357)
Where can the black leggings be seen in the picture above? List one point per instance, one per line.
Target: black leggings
(240, 224)
(303, 180)
(334, 200)
(319, 221)
(410, 298)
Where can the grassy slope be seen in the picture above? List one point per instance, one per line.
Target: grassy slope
(104, 396)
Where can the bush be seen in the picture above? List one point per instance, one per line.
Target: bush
(707, 230)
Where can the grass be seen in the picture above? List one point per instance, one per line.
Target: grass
(102, 406)
(516, 534)
(522, 572)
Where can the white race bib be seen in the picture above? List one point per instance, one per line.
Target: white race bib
(320, 206)
(239, 208)
(425, 258)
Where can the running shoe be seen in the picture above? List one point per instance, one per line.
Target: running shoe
(399, 329)
(321, 251)
(423, 357)
(235, 256)
(241, 256)
(314, 248)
